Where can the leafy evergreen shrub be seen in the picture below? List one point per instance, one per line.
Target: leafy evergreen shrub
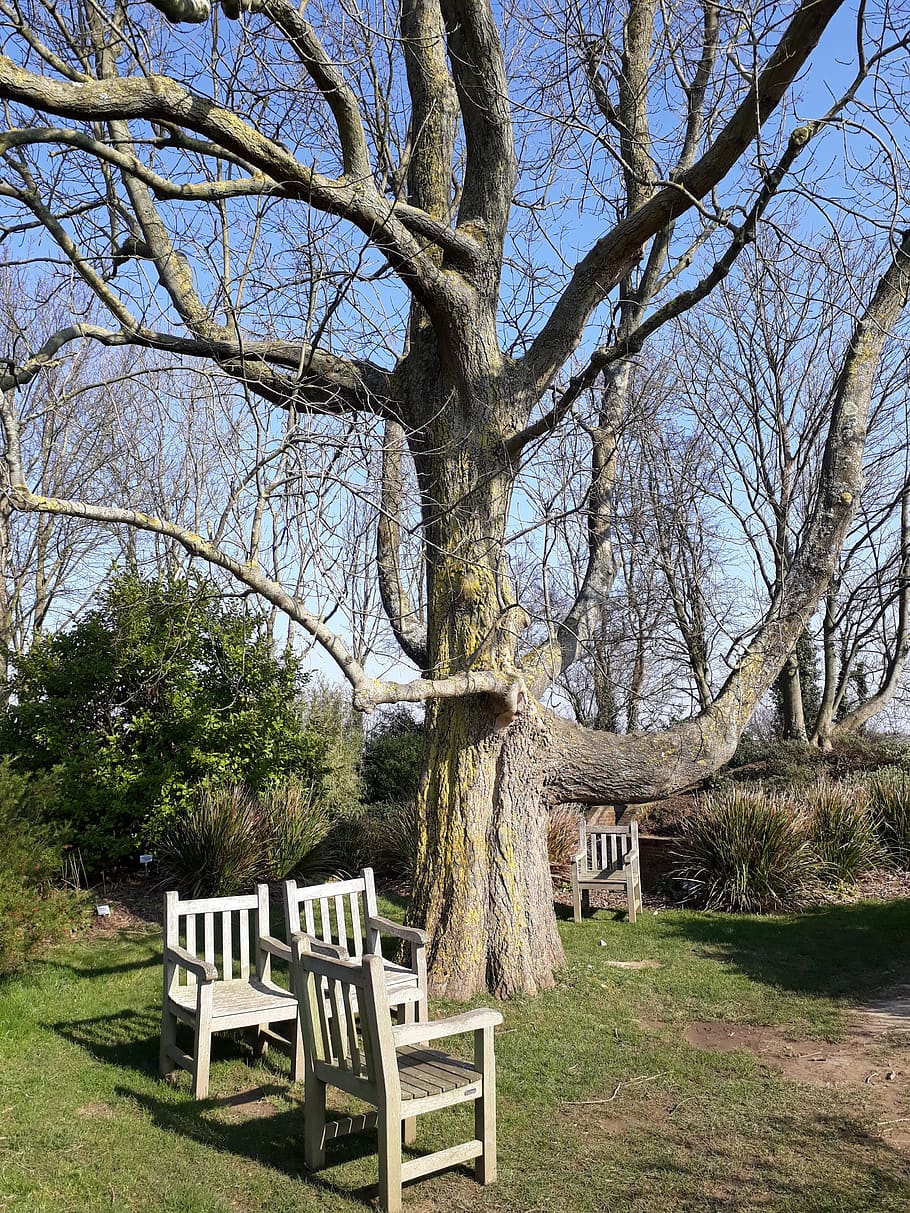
(229, 839)
(746, 851)
(160, 690)
(392, 754)
(842, 830)
(889, 793)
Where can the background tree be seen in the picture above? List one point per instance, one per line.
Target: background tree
(443, 224)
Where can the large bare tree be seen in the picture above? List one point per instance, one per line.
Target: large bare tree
(454, 218)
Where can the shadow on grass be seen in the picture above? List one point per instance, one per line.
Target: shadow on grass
(843, 951)
(273, 1140)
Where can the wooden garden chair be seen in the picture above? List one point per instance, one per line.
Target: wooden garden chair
(345, 913)
(351, 1043)
(217, 977)
(607, 858)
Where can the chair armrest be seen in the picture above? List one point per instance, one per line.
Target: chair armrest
(455, 1025)
(413, 935)
(269, 943)
(334, 951)
(578, 857)
(629, 858)
(204, 969)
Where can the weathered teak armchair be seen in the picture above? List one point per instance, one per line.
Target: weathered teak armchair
(345, 913)
(351, 1043)
(607, 858)
(217, 977)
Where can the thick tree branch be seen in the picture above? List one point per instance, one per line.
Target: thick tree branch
(610, 258)
(160, 98)
(585, 761)
(407, 624)
(475, 53)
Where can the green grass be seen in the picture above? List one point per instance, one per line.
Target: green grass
(85, 1125)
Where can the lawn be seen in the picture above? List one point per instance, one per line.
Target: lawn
(603, 1105)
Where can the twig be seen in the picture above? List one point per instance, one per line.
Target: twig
(629, 1082)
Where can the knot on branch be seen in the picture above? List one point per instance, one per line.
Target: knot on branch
(511, 704)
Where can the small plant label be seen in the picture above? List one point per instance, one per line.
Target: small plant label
(145, 859)
(102, 911)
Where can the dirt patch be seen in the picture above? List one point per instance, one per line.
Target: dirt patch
(135, 905)
(871, 1065)
(96, 1111)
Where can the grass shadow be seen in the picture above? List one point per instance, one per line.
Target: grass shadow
(274, 1140)
(838, 951)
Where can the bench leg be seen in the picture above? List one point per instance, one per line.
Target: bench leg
(313, 1123)
(576, 901)
(389, 1161)
(168, 1041)
(406, 1014)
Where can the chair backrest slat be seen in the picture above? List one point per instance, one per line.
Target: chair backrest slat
(244, 944)
(218, 930)
(335, 912)
(346, 1019)
(356, 930)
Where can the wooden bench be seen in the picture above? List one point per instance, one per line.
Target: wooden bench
(607, 858)
(345, 913)
(351, 1043)
(217, 977)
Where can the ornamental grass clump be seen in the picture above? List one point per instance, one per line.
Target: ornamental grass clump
(746, 851)
(562, 838)
(841, 827)
(229, 839)
(889, 794)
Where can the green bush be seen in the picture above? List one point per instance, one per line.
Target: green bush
(392, 756)
(160, 690)
(841, 828)
(33, 912)
(746, 851)
(229, 839)
(889, 793)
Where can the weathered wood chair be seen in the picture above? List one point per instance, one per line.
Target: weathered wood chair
(345, 913)
(607, 858)
(351, 1043)
(217, 977)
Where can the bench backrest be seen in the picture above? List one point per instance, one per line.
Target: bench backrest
(605, 847)
(222, 930)
(336, 912)
(346, 1019)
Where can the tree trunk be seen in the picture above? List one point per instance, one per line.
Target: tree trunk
(793, 724)
(483, 889)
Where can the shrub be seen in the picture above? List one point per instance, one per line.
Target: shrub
(294, 825)
(842, 830)
(392, 754)
(33, 912)
(889, 793)
(159, 690)
(229, 839)
(380, 836)
(746, 852)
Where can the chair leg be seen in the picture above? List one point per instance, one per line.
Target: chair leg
(485, 1107)
(389, 1161)
(406, 1014)
(631, 898)
(297, 1071)
(168, 1041)
(202, 1051)
(576, 901)
(313, 1123)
